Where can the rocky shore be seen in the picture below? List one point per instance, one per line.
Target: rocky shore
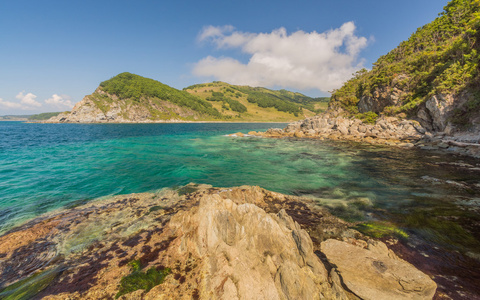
(200, 242)
(390, 131)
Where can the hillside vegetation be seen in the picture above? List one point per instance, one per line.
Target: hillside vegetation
(43, 116)
(140, 90)
(257, 103)
(440, 58)
(130, 98)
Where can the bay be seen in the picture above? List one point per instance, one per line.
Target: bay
(431, 197)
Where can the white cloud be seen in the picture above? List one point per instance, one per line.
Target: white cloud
(60, 101)
(28, 100)
(298, 60)
(9, 104)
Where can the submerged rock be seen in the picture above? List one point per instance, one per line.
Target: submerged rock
(238, 243)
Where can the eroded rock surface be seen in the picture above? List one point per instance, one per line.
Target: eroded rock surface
(387, 130)
(91, 109)
(390, 131)
(239, 243)
(376, 273)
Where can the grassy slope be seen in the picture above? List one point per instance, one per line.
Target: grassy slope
(441, 57)
(254, 111)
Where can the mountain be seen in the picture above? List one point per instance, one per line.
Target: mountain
(433, 77)
(130, 98)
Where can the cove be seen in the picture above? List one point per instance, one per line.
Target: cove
(432, 197)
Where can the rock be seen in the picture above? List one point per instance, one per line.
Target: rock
(219, 243)
(372, 274)
(237, 239)
(382, 97)
(405, 145)
(298, 134)
(274, 132)
(440, 108)
(443, 145)
(292, 127)
(238, 134)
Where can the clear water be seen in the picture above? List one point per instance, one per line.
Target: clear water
(49, 166)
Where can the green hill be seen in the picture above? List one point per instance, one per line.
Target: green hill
(438, 63)
(141, 90)
(130, 98)
(245, 103)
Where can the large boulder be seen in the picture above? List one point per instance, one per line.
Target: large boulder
(247, 251)
(376, 273)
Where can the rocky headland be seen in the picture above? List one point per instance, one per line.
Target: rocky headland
(391, 131)
(102, 107)
(201, 242)
(424, 93)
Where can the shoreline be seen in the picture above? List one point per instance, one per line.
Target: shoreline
(166, 229)
(165, 122)
(387, 131)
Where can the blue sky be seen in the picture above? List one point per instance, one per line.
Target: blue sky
(53, 53)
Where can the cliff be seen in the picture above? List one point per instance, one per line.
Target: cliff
(129, 98)
(201, 242)
(432, 78)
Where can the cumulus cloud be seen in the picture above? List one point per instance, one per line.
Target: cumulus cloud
(298, 60)
(28, 100)
(9, 104)
(60, 101)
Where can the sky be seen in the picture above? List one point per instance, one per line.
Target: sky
(53, 53)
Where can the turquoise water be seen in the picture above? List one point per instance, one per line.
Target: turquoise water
(48, 166)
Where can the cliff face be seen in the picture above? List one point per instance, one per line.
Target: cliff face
(435, 114)
(432, 78)
(101, 107)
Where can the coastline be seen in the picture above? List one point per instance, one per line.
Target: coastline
(163, 122)
(389, 131)
(301, 211)
(85, 251)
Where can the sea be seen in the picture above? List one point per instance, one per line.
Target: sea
(428, 200)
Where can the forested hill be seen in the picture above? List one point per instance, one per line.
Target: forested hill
(432, 77)
(141, 90)
(132, 98)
